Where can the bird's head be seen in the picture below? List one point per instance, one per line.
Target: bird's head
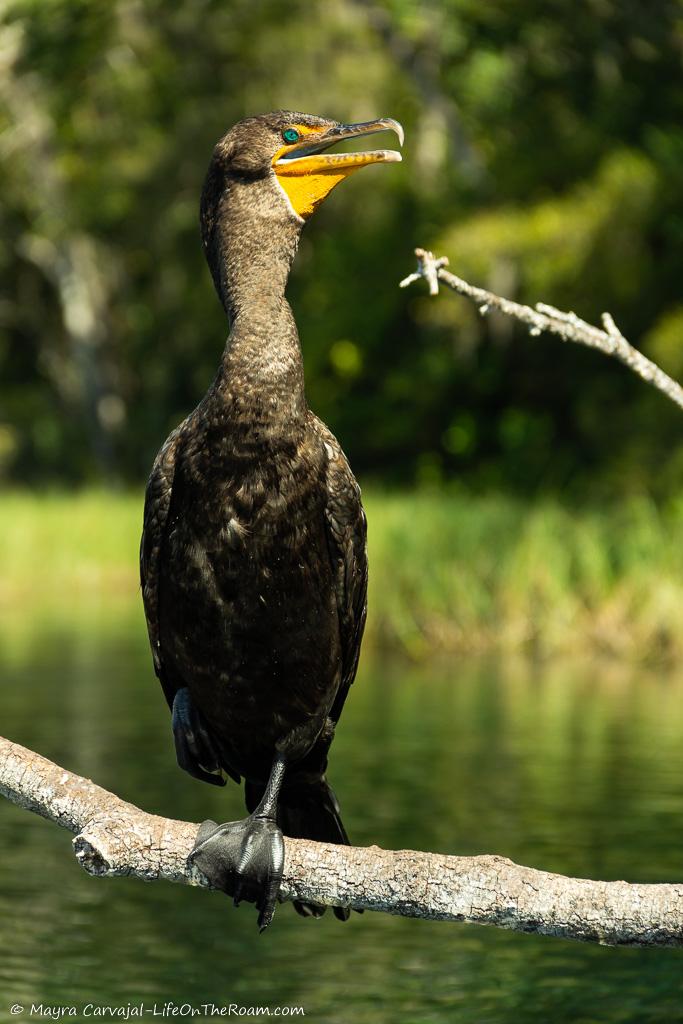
(276, 169)
(291, 152)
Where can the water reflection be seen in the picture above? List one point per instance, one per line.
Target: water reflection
(572, 767)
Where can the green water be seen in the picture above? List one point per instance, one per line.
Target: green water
(574, 768)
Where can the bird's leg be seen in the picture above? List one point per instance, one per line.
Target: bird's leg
(193, 744)
(246, 858)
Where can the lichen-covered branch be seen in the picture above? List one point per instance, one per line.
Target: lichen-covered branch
(567, 326)
(116, 838)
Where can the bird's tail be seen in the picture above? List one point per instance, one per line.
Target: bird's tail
(307, 809)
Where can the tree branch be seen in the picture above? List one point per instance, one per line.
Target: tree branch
(567, 326)
(116, 838)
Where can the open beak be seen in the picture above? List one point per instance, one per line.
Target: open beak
(308, 156)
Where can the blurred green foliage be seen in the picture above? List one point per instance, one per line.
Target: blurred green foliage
(480, 573)
(543, 155)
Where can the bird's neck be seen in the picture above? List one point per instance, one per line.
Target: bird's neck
(253, 248)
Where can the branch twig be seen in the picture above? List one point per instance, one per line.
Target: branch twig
(116, 838)
(567, 326)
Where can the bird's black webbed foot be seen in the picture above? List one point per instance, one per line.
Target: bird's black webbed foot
(245, 859)
(194, 747)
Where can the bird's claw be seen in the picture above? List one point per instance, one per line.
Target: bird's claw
(245, 859)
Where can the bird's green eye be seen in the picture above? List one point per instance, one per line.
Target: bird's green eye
(290, 135)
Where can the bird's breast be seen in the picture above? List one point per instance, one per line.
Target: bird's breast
(247, 599)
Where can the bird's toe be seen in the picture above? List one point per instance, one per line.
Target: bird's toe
(245, 859)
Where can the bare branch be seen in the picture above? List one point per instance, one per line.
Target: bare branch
(566, 326)
(116, 838)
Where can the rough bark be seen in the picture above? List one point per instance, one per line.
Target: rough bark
(116, 838)
(567, 326)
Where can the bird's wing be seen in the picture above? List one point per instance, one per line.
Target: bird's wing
(157, 504)
(346, 538)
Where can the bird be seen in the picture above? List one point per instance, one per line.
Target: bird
(253, 561)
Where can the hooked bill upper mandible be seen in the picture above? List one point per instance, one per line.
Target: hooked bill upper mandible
(370, 128)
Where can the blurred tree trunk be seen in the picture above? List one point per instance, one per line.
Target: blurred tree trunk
(77, 267)
(443, 138)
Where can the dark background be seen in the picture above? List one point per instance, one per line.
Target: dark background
(544, 145)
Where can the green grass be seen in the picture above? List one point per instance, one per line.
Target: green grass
(471, 573)
(449, 572)
(61, 543)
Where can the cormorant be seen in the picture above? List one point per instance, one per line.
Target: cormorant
(253, 558)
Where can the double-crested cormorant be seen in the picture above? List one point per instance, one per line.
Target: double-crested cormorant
(253, 563)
